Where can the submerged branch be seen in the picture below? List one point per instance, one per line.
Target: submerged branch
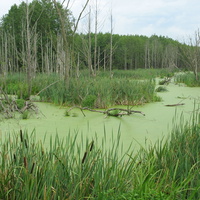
(115, 112)
(9, 105)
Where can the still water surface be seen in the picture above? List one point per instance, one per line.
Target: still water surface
(136, 129)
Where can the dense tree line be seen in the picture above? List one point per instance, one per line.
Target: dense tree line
(39, 23)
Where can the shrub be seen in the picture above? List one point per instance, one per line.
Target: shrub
(89, 101)
(20, 103)
(25, 114)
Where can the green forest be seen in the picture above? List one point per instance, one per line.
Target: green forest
(43, 36)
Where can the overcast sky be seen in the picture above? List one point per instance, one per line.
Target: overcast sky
(177, 19)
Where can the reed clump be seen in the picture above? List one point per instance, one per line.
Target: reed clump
(101, 92)
(188, 78)
(134, 87)
(75, 168)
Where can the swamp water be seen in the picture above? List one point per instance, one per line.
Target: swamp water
(136, 129)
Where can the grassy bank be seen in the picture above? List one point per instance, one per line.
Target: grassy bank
(124, 88)
(70, 169)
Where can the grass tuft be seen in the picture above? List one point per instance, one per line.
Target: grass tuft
(161, 89)
(188, 79)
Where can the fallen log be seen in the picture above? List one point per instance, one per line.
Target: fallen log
(178, 104)
(115, 112)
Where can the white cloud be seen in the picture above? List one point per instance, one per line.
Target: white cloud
(162, 17)
(6, 5)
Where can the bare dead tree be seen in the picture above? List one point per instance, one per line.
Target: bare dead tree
(195, 54)
(66, 46)
(104, 61)
(28, 53)
(95, 38)
(169, 57)
(65, 42)
(4, 54)
(89, 54)
(111, 42)
(28, 50)
(191, 54)
(147, 55)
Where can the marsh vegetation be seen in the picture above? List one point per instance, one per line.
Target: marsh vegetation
(44, 59)
(74, 168)
(125, 88)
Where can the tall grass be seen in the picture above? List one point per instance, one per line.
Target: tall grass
(141, 74)
(189, 79)
(79, 168)
(100, 91)
(16, 83)
(67, 170)
(106, 92)
(137, 74)
(176, 161)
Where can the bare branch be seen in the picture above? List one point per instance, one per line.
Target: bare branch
(47, 87)
(120, 111)
(79, 17)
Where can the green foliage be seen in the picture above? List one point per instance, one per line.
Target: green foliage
(20, 103)
(140, 74)
(113, 112)
(89, 101)
(98, 92)
(44, 22)
(25, 114)
(130, 51)
(23, 91)
(188, 78)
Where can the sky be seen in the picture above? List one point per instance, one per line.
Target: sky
(176, 19)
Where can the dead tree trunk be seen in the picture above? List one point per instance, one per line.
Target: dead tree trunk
(111, 43)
